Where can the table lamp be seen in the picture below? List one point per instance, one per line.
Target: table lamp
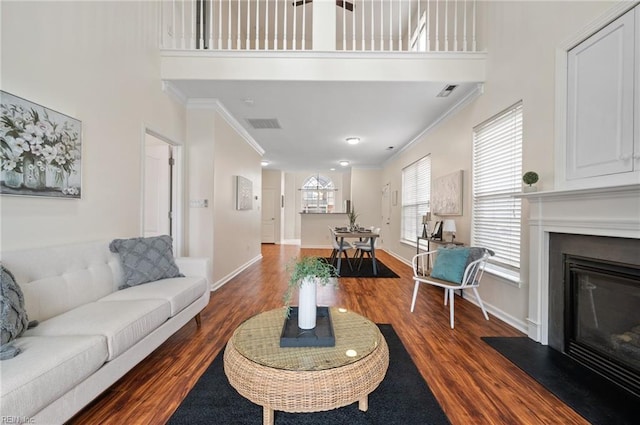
(450, 226)
(425, 224)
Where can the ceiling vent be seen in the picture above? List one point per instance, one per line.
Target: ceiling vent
(446, 91)
(263, 123)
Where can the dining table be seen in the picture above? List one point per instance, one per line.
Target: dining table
(360, 234)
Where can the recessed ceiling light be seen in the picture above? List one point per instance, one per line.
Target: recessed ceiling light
(353, 140)
(264, 163)
(344, 163)
(332, 169)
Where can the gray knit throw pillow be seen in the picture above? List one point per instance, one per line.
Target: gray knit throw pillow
(13, 316)
(145, 259)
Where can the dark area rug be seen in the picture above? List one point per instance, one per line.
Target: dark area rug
(403, 397)
(592, 396)
(366, 270)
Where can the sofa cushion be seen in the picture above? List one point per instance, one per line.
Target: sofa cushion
(179, 292)
(145, 259)
(13, 316)
(46, 369)
(123, 323)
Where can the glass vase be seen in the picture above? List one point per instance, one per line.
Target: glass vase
(12, 179)
(34, 177)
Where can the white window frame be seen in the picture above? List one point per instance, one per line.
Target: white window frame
(318, 194)
(416, 198)
(497, 172)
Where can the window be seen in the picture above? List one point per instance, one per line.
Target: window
(416, 194)
(497, 172)
(318, 194)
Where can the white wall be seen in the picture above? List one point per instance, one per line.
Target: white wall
(218, 153)
(97, 62)
(366, 198)
(237, 234)
(521, 39)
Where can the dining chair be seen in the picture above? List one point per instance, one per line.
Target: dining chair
(450, 269)
(346, 246)
(364, 246)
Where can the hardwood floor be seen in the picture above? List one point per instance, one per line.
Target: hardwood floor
(473, 383)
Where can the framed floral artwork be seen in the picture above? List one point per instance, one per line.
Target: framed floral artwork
(40, 150)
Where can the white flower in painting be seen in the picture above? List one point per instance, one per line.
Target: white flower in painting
(34, 130)
(49, 153)
(9, 160)
(36, 149)
(22, 145)
(46, 129)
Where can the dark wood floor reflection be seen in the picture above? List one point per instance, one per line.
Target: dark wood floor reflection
(473, 383)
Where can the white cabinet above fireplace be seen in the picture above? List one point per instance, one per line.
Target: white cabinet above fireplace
(602, 145)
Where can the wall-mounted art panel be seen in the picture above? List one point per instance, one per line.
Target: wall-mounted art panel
(446, 195)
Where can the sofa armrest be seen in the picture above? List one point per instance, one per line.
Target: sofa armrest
(195, 266)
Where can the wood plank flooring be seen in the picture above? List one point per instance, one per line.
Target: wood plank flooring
(473, 383)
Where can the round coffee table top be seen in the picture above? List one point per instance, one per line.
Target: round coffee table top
(258, 339)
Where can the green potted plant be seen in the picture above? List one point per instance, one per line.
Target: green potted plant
(305, 274)
(353, 216)
(530, 178)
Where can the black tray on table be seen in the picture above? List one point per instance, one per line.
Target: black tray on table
(320, 336)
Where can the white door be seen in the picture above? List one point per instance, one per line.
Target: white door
(268, 216)
(157, 187)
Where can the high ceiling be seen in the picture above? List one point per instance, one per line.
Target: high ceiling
(316, 118)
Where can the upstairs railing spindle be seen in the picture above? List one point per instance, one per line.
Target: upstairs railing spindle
(376, 25)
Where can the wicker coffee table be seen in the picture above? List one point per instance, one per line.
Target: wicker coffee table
(306, 379)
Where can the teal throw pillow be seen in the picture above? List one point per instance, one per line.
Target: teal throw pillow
(450, 264)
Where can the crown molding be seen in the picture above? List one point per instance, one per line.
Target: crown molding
(472, 95)
(174, 93)
(215, 104)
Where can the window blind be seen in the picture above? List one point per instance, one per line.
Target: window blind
(416, 194)
(497, 173)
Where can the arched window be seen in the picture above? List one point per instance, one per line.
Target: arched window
(318, 194)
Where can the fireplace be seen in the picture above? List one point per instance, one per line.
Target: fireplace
(602, 318)
(594, 304)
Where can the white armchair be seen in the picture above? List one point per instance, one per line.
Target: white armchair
(423, 267)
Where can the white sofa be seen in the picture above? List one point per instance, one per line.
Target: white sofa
(89, 333)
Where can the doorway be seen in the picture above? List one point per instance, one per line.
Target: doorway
(268, 215)
(160, 188)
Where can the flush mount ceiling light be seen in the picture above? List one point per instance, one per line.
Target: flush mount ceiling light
(344, 163)
(353, 140)
(264, 163)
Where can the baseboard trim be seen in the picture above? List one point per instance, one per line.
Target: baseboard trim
(218, 284)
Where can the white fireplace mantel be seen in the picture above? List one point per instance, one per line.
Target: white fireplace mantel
(610, 211)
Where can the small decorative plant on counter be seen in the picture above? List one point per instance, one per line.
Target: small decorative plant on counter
(530, 178)
(306, 273)
(353, 216)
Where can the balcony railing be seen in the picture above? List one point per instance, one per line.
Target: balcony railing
(360, 26)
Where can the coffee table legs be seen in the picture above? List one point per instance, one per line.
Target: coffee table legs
(363, 403)
(268, 414)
